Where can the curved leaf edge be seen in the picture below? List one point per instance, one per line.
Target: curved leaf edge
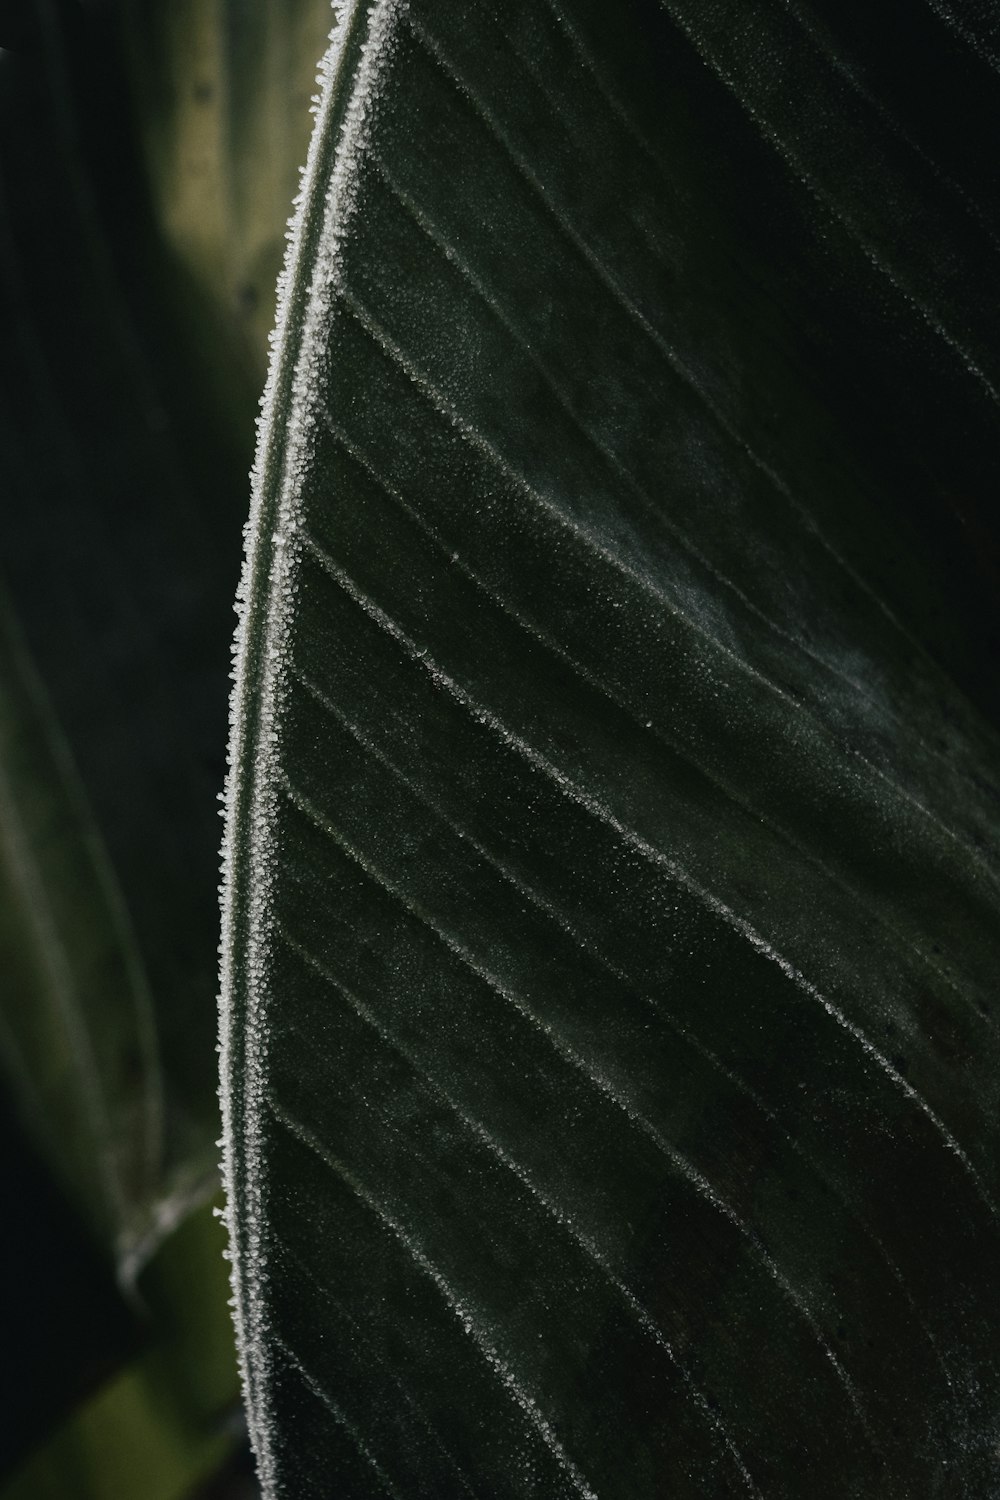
(349, 76)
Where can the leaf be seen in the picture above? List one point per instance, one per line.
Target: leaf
(78, 1032)
(609, 940)
(166, 1420)
(118, 529)
(221, 98)
(66, 1324)
(118, 532)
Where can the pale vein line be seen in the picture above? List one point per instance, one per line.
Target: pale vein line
(555, 915)
(804, 515)
(286, 1251)
(830, 55)
(629, 478)
(611, 459)
(596, 809)
(823, 196)
(565, 655)
(969, 37)
(612, 101)
(681, 1164)
(584, 250)
(339, 1416)
(475, 1127)
(580, 530)
(591, 540)
(461, 1310)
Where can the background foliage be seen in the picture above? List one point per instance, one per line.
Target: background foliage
(148, 158)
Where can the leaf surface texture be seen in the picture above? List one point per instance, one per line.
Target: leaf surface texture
(610, 940)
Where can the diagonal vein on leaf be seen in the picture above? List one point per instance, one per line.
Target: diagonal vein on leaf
(609, 933)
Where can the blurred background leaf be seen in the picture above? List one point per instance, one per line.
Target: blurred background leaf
(78, 1027)
(222, 94)
(168, 1418)
(117, 532)
(148, 158)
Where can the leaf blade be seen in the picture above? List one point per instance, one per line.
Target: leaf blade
(612, 834)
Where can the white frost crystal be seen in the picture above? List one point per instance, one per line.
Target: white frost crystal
(350, 79)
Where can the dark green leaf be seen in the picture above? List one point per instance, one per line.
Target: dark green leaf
(117, 528)
(610, 945)
(66, 1324)
(169, 1418)
(78, 1032)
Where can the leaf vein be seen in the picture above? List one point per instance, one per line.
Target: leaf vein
(474, 1127)
(592, 805)
(681, 1164)
(460, 1309)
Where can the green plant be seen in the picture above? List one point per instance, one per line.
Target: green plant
(609, 940)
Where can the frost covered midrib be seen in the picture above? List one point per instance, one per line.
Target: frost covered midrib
(349, 78)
